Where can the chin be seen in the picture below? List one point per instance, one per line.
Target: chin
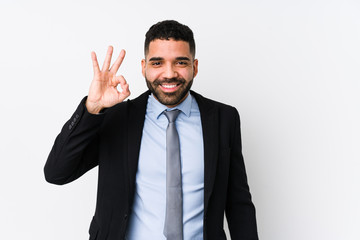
(170, 99)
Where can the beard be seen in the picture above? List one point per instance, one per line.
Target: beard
(173, 98)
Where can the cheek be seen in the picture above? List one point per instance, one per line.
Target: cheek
(151, 74)
(186, 74)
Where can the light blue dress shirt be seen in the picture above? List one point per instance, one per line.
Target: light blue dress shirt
(148, 211)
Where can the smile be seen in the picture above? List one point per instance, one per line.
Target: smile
(169, 87)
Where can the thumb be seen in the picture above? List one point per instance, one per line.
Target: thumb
(124, 91)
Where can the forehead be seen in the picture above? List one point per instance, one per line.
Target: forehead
(168, 49)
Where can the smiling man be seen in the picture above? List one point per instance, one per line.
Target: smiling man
(170, 161)
(169, 70)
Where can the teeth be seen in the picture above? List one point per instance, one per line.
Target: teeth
(169, 86)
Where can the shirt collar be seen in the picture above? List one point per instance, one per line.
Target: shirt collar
(157, 108)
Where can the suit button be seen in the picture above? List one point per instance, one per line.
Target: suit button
(125, 216)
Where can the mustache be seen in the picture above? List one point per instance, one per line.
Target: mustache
(158, 82)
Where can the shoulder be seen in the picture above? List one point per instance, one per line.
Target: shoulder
(139, 102)
(122, 113)
(205, 103)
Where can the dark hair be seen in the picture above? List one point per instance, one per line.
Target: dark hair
(170, 29)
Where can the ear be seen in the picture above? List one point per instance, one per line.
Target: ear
(143, 65)
(196, 62)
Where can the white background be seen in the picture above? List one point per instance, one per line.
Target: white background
(290, 67)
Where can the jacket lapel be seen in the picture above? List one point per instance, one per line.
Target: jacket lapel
(136, 118)
(209, 122)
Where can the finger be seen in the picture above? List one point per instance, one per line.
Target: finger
(123, 84)
(107, 61)
(124, 93)
(118, 80)
(115, 67)
(124, 87)
(126, 90)
(95, 63)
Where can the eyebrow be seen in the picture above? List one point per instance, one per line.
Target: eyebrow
(183, 58)
(156, 59)
(160, 58)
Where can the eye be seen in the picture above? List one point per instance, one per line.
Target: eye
(155, 63)
(182, 63)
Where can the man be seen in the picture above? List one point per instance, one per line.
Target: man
(141, 152)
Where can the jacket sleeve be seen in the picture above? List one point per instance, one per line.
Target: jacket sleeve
(240, 211)
(75, 150)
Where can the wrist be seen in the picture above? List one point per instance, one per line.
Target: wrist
(93, 107)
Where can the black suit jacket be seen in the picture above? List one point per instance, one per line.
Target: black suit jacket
(112, 141)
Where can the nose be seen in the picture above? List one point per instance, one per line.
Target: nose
(170, 72)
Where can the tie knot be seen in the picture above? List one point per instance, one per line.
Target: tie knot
(172, 115)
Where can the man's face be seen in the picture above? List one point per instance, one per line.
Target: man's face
(169, 69)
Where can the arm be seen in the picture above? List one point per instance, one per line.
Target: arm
(75, 150)
(240, 211)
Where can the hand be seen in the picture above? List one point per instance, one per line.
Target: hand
(103, 91)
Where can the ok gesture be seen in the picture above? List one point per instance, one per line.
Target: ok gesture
(103, 92)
